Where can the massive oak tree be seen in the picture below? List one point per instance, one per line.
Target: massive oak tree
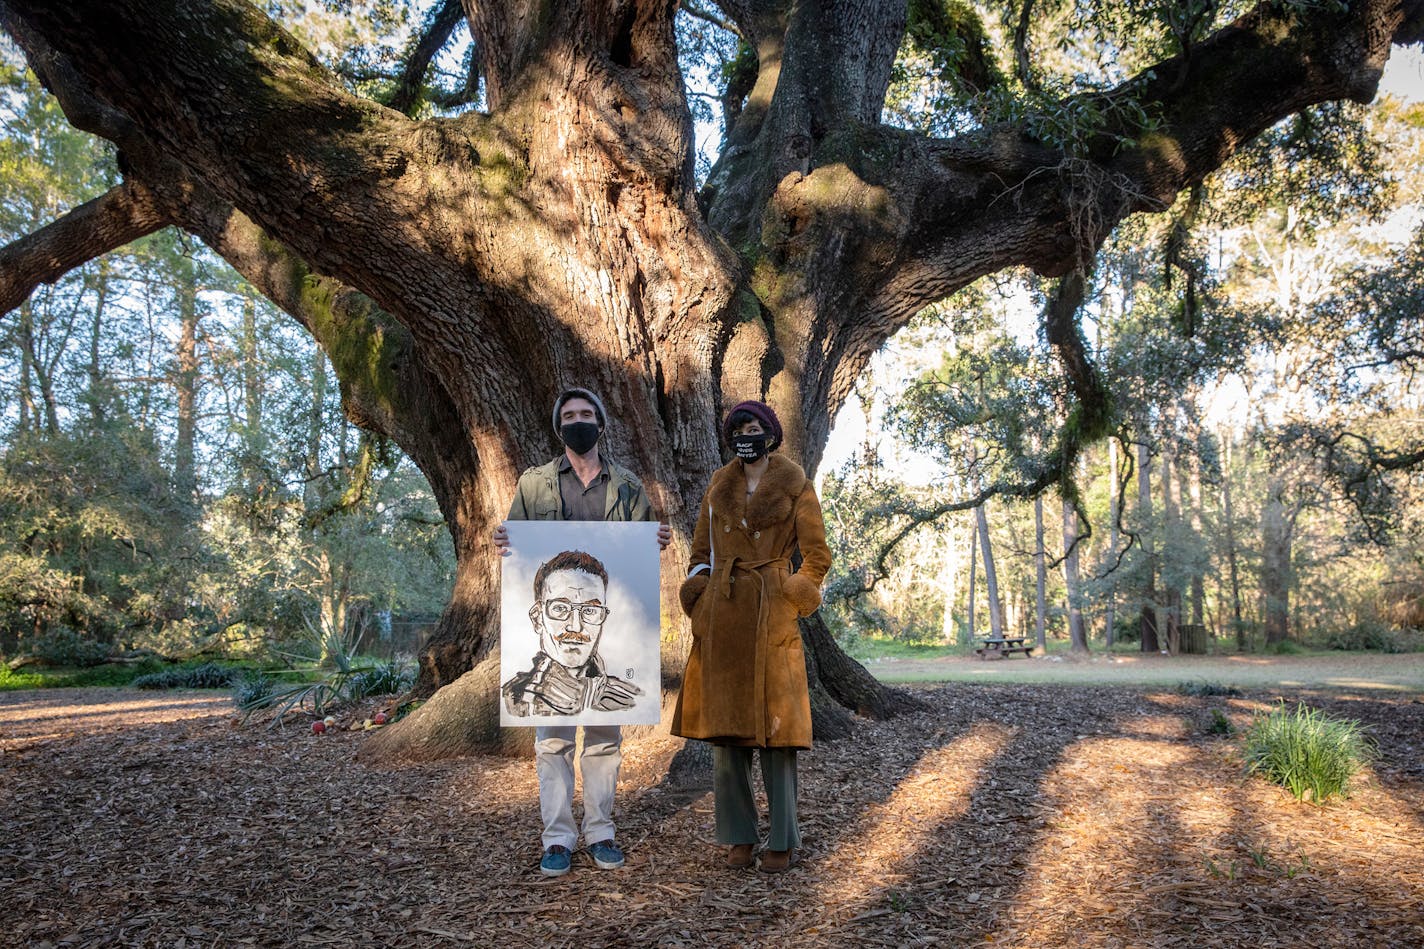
(460, 271)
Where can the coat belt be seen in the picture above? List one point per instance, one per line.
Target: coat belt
(724, 583)
(724, 571)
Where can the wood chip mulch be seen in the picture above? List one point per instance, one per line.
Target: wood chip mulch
(1010, 815)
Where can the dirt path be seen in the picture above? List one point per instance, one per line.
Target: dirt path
(1009, 815)
(1358, 671)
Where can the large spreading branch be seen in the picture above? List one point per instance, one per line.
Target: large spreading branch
(861, 225)
(123, 214)
(427, 45)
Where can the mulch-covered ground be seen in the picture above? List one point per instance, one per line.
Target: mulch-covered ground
(1011, 815)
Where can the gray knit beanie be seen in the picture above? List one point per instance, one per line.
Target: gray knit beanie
(577, 393)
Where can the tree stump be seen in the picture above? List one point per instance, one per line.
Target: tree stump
(1195, 639)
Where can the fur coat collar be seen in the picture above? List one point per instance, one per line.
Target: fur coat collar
(771, 503)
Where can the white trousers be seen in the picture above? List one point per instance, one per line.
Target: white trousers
(554, 760)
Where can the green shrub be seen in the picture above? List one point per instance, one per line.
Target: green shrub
(1284, 648)
(1312, 754)
(62, 646)
(251, 688)
(209, 675)
(387, 678)
(1375, 637)
(1220, 724)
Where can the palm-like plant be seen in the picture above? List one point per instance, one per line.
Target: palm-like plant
(347, 677)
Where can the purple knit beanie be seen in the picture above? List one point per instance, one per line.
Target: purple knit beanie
(763, 414)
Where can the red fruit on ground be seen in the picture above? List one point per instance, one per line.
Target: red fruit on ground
(379, 718)
(318, 727)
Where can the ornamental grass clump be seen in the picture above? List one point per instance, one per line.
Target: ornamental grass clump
(1310, 753)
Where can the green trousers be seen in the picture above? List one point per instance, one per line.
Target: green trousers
(736, 805)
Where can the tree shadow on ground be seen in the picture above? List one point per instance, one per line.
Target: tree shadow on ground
(1025, 815)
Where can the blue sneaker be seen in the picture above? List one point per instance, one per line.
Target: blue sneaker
(556, 861)
(606, 854)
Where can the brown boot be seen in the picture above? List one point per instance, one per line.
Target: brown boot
(775, 861)
(740, 856)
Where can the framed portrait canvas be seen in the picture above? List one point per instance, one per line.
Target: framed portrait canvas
(579, 617)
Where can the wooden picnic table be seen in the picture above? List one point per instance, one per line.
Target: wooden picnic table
(1003, 647)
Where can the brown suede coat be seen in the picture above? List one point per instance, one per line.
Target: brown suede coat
(745, 682)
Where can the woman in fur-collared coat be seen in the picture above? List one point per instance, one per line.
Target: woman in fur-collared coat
(745, 685)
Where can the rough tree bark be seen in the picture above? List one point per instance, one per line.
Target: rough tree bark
(459, 271)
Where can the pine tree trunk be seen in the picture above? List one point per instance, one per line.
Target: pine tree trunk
(1197, 591)
(1275, 563)
(973, 574)
(1171, 596)
(316, 426)
(99, 393)
(1114, 502)
(253, 442)
(1151, 614)
(185, 381)
(1227, 475)
(1077, 629)
(949, 583)
(991, 576)
(1040, 606)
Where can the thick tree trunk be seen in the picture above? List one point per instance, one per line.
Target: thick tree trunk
(459, 272)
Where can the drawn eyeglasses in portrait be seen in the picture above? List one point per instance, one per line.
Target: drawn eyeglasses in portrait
(560, 609)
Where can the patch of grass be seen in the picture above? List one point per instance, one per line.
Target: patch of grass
(1310, 753)
(71, 678)
(1219, 871)
(872, 646)
(1220, 724)
(1284, 648)
(1205, 688)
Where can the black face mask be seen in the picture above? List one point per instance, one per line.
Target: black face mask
(579, 436)
(750, 448)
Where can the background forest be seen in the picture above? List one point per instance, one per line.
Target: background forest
(1259, 346)
(176, 473)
